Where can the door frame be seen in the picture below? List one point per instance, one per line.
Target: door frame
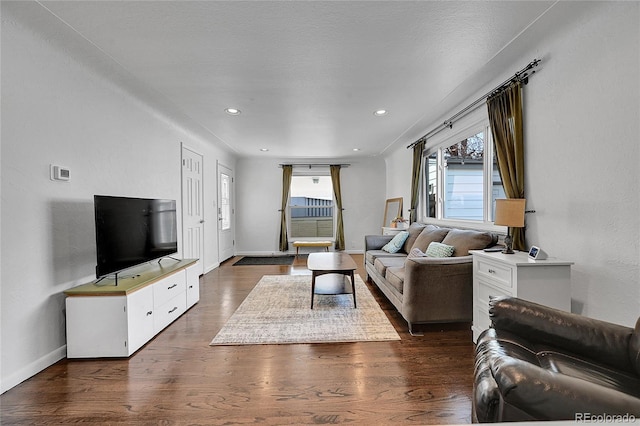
(186, 147)
(232, 211)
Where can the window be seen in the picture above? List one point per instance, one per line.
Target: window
(311, 207)
(225, 202)
(461, 178)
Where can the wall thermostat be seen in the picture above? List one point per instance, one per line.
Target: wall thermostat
(60, 173)
(536, 253)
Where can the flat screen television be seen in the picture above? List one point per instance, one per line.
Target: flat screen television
(131, 231)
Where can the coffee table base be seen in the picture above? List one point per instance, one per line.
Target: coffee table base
(333, 283)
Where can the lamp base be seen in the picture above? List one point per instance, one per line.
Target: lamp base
(508, 244)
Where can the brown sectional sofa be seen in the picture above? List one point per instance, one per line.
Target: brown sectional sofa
(427, 289)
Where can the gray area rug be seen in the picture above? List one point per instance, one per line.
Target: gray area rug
(277, 311)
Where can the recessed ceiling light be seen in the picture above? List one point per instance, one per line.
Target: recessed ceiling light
(356, 149)
(264, 149)
(232, 111)
(380, 112)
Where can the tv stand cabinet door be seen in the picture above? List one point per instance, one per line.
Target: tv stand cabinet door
(140, 315)
(97, 326)
(193, 285)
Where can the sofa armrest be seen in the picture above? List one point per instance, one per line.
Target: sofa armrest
(438, 289)
(603, 341)
(376, 242)
(546, 395)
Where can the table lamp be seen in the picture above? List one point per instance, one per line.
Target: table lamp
(510, 213)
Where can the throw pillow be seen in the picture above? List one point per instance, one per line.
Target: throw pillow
(439, 250)
(414, 230)
(467, 239)
(428, 235)
(396, 242)
(416, 252)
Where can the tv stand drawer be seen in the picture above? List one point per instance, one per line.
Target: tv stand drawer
(168, 288)
(169, 312)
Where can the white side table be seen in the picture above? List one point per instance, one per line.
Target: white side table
(547, 282)
(386, 230)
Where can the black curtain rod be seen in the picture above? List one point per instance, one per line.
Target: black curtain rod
(313, 165)
(522, 75)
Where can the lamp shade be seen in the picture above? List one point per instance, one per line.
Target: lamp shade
(510, 212)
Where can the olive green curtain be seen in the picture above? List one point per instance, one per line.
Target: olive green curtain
(287, 172)
(505, 118)
(337, 193)
(418, 148)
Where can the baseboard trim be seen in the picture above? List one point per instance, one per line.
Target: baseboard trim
(32, 369)
(211, 267)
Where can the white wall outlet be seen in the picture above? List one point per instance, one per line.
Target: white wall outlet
(59, 173)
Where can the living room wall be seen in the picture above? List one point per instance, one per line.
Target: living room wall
(64, 103)
(582, 112)
(259, 192)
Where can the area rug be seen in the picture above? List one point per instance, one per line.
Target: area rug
(265, 260)
(277, 311)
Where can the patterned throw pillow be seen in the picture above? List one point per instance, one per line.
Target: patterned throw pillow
(416, 252)
(396, 243)
(439, 250)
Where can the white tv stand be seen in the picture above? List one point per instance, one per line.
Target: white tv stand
(105, 320)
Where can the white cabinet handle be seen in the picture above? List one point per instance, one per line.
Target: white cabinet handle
(169, 288)
(173, 310)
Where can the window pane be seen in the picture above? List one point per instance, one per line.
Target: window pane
(225, 202)
(431, 174)
(463, 179)
(311, 206)
(497, 190)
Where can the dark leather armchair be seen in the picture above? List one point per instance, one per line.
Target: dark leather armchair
(539, 363)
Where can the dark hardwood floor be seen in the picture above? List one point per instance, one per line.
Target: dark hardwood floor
(177, 378)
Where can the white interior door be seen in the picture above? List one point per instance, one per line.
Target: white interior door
(225, 214)
(192, 205)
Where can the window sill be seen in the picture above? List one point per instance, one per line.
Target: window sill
(465, 224)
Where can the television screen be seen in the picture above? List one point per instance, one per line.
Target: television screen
(131, 231)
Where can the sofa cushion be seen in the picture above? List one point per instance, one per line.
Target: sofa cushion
(436, 249)
(429, 234)
(414, 231)
(382, 263)
(396, 242)
(395, 277)
(372, 255)
(466, 239)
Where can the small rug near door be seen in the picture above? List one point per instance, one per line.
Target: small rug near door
(265, 260)
(277, 311)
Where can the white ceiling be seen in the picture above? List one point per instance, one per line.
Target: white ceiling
(307, 75)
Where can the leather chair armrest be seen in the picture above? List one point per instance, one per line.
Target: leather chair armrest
(547, 395)
(486, 394)
(376, 242)
(605, 342)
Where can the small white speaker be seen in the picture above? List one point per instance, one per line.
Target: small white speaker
(536, 253)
